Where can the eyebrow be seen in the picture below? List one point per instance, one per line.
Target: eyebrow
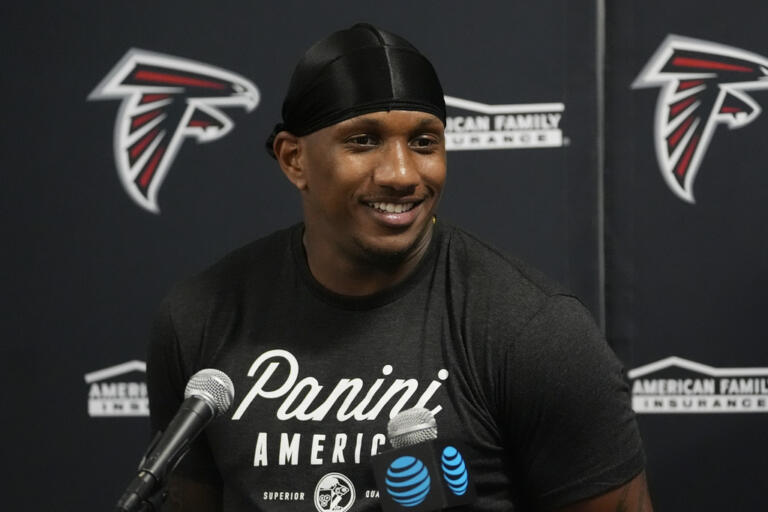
(363, 122)
(366, 122)
(425, 121)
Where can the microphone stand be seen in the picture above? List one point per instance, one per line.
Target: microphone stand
(128, 503)
(153, 504)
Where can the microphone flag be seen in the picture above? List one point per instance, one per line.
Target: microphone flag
(427, 476)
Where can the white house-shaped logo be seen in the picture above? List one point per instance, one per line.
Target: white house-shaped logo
(474, 125)
(118, 391)
(677, 385)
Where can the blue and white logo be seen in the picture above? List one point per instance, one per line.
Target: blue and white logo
(454, 471)
(408, 481)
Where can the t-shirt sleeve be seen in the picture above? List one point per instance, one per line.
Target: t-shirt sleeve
(572, 430)
(166, 380)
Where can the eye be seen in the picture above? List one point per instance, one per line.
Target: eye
(364, 140)
(425, 142)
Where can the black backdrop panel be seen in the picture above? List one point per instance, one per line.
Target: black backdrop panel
(686, 280)
(85, 266)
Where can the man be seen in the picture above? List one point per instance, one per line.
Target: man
(372, 306)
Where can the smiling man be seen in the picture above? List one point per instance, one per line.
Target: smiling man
(372, 306)
(370, 187)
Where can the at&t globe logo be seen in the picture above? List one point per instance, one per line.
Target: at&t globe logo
(454, 471)
(408, 481)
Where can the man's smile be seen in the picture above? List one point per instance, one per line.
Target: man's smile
(395, 214)
(388, 207)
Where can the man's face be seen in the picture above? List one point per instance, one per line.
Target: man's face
(373, 183)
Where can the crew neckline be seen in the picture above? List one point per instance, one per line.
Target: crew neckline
(362, 302)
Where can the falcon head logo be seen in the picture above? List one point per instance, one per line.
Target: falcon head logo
(703, 84)
(166, 99)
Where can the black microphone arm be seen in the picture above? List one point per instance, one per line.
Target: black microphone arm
(209, 393)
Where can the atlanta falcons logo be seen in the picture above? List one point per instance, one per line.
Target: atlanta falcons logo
(166, 99)
(703, 84)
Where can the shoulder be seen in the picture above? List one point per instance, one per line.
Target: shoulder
(189, 324)
(251, 266)
(479, 260)
(499, 282)
(518, 324)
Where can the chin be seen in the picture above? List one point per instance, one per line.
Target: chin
(382, 251)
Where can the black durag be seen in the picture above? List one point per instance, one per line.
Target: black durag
(357, 71)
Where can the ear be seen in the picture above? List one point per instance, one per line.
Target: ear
(288, 152)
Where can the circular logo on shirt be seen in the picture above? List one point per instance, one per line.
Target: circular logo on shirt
(408, 481)
(454, 471)
(334, 492)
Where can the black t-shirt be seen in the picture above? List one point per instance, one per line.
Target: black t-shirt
(512, 366)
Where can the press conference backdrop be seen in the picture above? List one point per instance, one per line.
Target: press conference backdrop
(637, 180)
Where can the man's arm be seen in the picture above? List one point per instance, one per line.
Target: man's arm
(166, 380)
(188, 495)
(630, 497)
(571, 424)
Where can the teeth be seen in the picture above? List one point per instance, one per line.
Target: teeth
(392, 207)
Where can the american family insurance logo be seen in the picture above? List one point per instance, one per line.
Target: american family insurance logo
(473, 125)
(703, 85)
(676, 385)
(164, 100)
(118, 391)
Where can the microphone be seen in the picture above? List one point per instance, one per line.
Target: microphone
(421, 474)
(412, 426)
(209, 393)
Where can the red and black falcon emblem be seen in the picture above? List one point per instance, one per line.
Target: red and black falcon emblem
(703, 84)
(164, 100)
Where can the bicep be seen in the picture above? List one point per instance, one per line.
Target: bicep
(574, 434)
(630, 497)
(195, 484)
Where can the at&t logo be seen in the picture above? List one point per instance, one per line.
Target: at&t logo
(408, 482)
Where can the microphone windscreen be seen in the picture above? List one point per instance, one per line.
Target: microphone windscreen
(411, 427)
(213, 386)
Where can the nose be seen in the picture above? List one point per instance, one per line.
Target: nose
(397, 168)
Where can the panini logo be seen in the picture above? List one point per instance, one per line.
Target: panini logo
(479, 126)
(112, 394)
(676, 385)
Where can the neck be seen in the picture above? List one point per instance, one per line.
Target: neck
(360, 274)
